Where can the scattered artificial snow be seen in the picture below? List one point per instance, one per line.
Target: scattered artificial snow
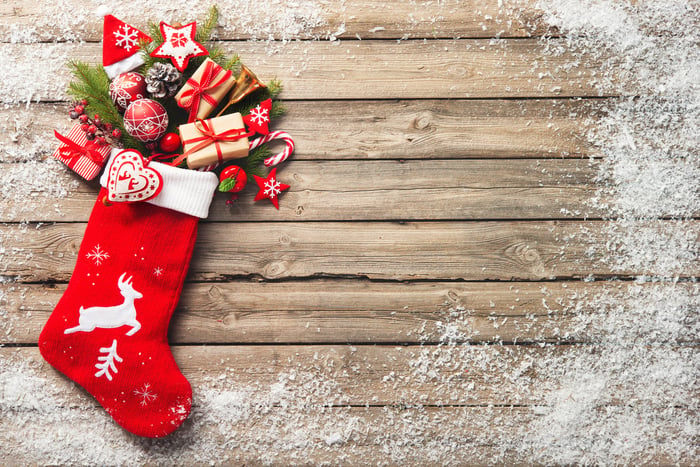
(632, 395)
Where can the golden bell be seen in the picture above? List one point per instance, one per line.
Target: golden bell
(246, 83)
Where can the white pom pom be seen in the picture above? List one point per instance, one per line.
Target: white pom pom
(102, 10)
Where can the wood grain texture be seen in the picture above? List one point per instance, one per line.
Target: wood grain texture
(368, 190)
(445, 69)
(343, 436)
(379, 129)
(390, 251)
(531, 250)
(361, 375)
(360, 18)
(332, 311)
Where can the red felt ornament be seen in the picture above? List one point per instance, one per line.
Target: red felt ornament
(146, 120)
(270, 187)
(179, 44)
(126, 88)
(259, 117)
(120, 46)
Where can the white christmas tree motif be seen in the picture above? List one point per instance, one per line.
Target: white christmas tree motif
(158, 271)
(107, 361)
(259, 115)
(272, 188)
(146, 395)
(127, 39)
(98, 255)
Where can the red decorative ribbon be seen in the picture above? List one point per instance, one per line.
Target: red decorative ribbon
(196, 92)
(89, 150)
(209, 137)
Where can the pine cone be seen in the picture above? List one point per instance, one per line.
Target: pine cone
(162, 80)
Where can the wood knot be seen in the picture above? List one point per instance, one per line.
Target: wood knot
(275, 269)
(214, 292)
(284, 238)
(422, 122)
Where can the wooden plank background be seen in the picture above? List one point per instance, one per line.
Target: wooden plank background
(449, 170)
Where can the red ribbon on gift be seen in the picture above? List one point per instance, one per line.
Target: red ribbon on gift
(89, 150)
(209, 137)
(191, 97)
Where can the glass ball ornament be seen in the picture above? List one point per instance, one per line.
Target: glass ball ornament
(146, 120)
(126, 88)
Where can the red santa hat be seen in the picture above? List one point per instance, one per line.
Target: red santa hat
(120, 46)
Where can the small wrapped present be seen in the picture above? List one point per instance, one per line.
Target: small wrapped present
(204, 90)
(86, 158)
(207, 142)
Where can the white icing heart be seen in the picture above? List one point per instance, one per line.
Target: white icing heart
(129, 180)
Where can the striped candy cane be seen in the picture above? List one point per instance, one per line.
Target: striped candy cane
(280, 157)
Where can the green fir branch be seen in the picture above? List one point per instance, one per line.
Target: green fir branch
(92, 83)
(206, 30)
(254, 162)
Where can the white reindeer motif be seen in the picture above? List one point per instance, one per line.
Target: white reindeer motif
(111, 316)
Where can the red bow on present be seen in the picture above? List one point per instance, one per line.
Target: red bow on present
(259, 117)
(197, 91)
(209, 136)
(89, 150)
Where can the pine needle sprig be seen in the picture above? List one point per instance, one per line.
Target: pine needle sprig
(207, 29)
(92, 83)
(253, 164)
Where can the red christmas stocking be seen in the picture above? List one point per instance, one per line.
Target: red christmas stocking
(108, 332)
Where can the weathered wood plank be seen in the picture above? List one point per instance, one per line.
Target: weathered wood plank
(366, 190)
(328, 311)
(447, 69)
(302, 20)
(528, 250)
(302, 436)
(378, 129)
(362, 375)
(394, 251)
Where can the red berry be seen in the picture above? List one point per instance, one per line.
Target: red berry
(92, 129)
(79, 108)
(83, 118)
(170, 142)
(84, 127)
(84, 102)
(117, 133)
(108, 126)
(101, 140)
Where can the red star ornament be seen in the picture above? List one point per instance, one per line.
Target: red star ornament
(259, 117)
(270, 188)
(179, 45)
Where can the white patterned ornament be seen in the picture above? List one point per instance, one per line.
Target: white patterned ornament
(129, 179)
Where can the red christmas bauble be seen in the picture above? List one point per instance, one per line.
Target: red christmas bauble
(126, 88)
(146, 120)
(170, 142)
(237, 174)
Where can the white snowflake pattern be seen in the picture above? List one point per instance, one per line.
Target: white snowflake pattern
(107, 361)
(272, 188)
(146, 394)
(158, 271)
(259, 115)
(127, 39)
(98, 255)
